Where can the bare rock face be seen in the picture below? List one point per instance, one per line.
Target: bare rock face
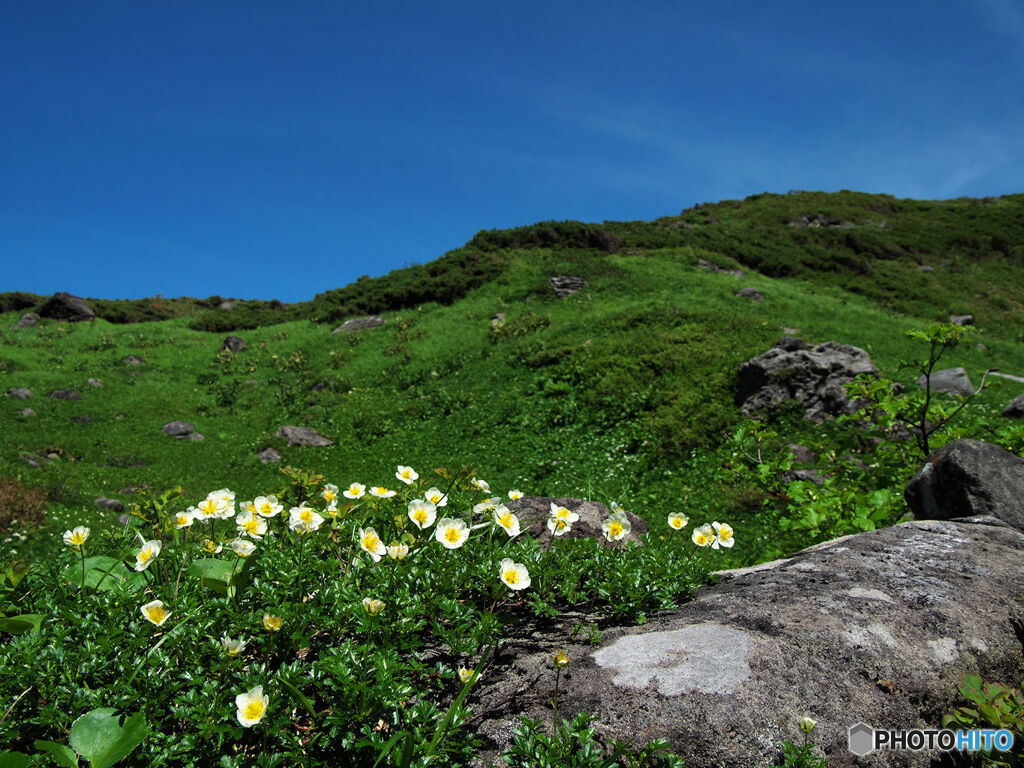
(359, 324)
(302, 436)
(533, 513)
(813, 376)
(1015, 410)
(64, 306)
(28, 320)
(566, 285)
(953, 381)
(967, 478)
(879, 627)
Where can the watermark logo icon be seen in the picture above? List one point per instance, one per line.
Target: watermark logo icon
(861, 739)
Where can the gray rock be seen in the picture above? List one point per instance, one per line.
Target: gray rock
(28, 320)
(178, 429)
(64, 306)
(19, 392)
(873, 627)
(34, 459)
(750, 292)
(192, 437)
(961, 319)
(1015, 410)
(269, 456)
(967, 478)
(65, 394)
(926, 268)
(533, 513)
(111, 504)
(94, 382)
(133, 360)
(801, 453)
(952, 381)
(701, 263)
(359, 324)
(83, 419)
(233, 344)
(227, 306)
(302, 436)
(27, 412)
(566, 285)
(814, 377)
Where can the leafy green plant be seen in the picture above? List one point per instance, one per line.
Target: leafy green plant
(993, 705)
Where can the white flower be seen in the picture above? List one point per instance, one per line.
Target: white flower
(435, 497)
(330, 493)
(504, 517)
(76, 537)
(677, 520)
(515, 494)
(302, 519)
(147, 555)
(212, 508)
(807, 724)
(267, 506)
(406, 474)
(184, 519)
(451, 533)
(703, 536)
(480, 484)
(514, 575)
(486, 505)
(381, 492)
(155, 612)
(243, 548)
(232, 647)
(251, 706)
(354, 491)
(563, 513)
(251, 525)
(723, 536)
(370, 542)
(272, 623)
(558, 527)
(372, 606)
(465, 675)
(226, 503)
(398, 551)
(616, 526)
(422, 513)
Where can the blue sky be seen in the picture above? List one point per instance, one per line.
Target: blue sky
(270, 150)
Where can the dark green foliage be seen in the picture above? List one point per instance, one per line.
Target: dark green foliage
(549, 234)
(19, 301)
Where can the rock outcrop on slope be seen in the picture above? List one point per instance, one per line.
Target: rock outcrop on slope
(878, 627)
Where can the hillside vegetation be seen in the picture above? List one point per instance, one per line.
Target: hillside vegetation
(623, 391)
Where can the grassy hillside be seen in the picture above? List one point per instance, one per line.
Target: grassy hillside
(622, 391)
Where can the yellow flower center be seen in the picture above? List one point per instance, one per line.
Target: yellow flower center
(252, 526)
(306, 516)
(420, 516)
(505, 520)
(208, 507)
(144, 555)
(370, 541)
(254, 710)
(267, 508)
(354, 490)
(77, 539)
(677, 522)
(615, 529)
(560, 524)
(156, 614)
(512, 576)
(329, 496)
(452, 535)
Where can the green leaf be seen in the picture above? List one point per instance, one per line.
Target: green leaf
(14, 760)
(104, 573)
(19, 625)
(62, 754)
(989, 713)
(216, 574)
(99, 737)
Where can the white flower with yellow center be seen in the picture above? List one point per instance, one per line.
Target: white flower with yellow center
(211, 547)
(563, 513)
(558, 527)
(723, 535)
(155, 612)
(372, 605)
(243, 548)
(370, 543)
(677, 520)
(481, 485)
(303, 519)
(451, 533)
(486, 505)
(232, 647)
(381, 492)
(147, 555)
(422, 513)
(514, 575)
(465, 675)
(267, 506)
(251, 706)
(251, 525)
(407, 475)
(183, 519)
(515, 494)
(616, 526)
(75, 538)
(330, 493)
(436, 497)
(507, 519)
(211, 509)
(398, 551)
(272, 623)
(354, 491)
(226, 501)
(703, 536)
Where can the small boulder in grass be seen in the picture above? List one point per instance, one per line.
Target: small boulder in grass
(27, 412)
(304, 436)
(133, 360)
(269, 456)
(233, 344)
(110, 504)
(28, 320)
(751, 293)
(94, 382)
(1015, 410)
(19, 392)
(178, 429)
(65, 394)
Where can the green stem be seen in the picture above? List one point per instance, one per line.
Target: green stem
(82, 551)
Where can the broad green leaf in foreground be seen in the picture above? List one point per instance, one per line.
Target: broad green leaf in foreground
(99, 737)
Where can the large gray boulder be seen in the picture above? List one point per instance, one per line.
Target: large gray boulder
(951, 381)
(1015, 409)
(879, 627)
(64, 306)
(966, 478)
(359, 324)
(813, 376)
(302, 436)
(28, 320)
